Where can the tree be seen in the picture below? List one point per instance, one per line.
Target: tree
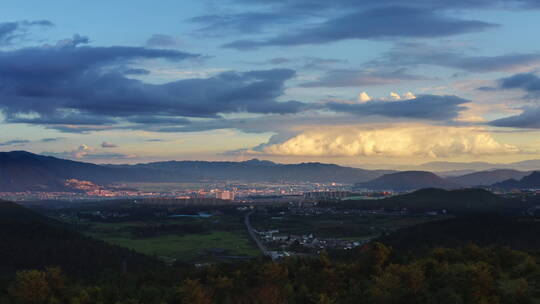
(192, 292)
(30, 287)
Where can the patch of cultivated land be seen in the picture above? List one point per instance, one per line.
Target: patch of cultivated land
(192, 247)
(172, 242)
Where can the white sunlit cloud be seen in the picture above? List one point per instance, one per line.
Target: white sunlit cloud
(397, 141)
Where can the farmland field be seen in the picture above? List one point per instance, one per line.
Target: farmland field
(179, 239)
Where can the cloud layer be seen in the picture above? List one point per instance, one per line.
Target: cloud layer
(530, 115)
(85, 152)
(361, 78)
(403, 141)
(529, 118)
(10, 31)
(81, 85)
(413, 54)
(386, 22)
(431, 107)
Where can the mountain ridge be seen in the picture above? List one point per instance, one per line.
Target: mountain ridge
(407, 181)
(487, 178)
(25, 171)
(531, 181)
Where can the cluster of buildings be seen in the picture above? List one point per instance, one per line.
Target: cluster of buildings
(274, 239)
(238, 192)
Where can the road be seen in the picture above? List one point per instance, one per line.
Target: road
(251, 232)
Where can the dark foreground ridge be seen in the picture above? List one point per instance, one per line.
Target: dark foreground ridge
(29, 240)
(41, 261)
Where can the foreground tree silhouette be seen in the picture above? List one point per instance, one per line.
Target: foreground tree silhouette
(191, 291)
(30, 287)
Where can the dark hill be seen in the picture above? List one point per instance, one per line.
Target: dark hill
(482, 230)
(24, 171)
(31, 241)
(455, 201)
(486, 178)
(531, 181)
(406, 181)
(11, 212)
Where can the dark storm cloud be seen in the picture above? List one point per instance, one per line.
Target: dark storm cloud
(10, 31)
(355, 78)
(525, 81)
(432, 107)
(413, 54)
(389, 22)
(528, 82)
(80, 86)
(529, 118)
(530, 115)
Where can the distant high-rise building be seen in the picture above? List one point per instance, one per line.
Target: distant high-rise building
(225, 195)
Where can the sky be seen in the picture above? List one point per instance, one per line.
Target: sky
(358, 83)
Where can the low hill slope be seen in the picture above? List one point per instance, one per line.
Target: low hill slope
(11, 212)
(531, 181)
(31, 241)
(455, 201)
(482, 230)
(406, 181)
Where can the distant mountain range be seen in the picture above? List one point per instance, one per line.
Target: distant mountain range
(487, 178)
(531, 181)
(445, 167)
(414, 180)
(24, 171)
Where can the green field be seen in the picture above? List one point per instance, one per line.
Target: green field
(185, 248)
(229, 238)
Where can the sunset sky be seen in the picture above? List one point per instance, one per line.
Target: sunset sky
(361, 83)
